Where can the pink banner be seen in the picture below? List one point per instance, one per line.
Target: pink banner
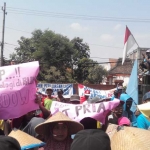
(97, 111)
(18, 89)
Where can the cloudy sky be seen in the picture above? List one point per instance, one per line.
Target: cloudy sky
(101, 23)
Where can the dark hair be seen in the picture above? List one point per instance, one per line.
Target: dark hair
(60, 91)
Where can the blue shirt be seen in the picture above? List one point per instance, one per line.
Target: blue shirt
(143, 122)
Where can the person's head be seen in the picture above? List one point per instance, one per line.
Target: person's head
(148, 52)
(75, 99)
(120, 89)
(92, 139)
(49, 91)
(87, 94)
(146, 97)
(123, 121)
(89, 123)
(59, 126)
(116, 94)
(60, 92)
(60, 131)
(13, 62)
(129, 104)
(9, 143)
(118, 110)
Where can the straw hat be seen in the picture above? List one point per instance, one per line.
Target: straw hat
(145, 109)
(73, 126)
(25, 140)
(130, 138)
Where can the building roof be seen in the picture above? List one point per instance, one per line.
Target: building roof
(113, 64)
(126, 68)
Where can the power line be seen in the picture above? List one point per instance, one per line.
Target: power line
(106, 46)
(73, 16)
(10, 44)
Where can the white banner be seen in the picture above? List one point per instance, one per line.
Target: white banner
(102, 94)
(67, 88)
(98, 111)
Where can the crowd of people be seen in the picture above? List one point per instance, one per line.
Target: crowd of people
(59, 132)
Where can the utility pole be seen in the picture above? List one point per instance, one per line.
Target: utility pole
(3, 32)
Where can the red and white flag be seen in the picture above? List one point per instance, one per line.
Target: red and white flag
(129, 41)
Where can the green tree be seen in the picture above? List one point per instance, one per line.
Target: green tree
(61, 59)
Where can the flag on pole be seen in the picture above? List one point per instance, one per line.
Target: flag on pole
(129, 41)
(132, 87)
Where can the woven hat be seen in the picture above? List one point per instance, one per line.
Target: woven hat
(75, 97)
(148, 51)
(73, 126)
(127, 138)
(145, 109)
(25, 140)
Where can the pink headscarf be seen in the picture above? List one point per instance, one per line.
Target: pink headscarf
(123, 121)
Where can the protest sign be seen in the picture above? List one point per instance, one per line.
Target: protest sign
(102, 94)
(67, 89)
(97, 111)
(18, 89)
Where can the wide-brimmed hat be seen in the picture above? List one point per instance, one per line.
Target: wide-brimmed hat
(145, 109)
(25, 140)
(126, 138)
(75, 97)
(73, 126)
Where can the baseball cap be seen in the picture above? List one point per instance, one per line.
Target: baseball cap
(75, 97)
(91, 139)
(146, 96)
(49, 88)
(87, 92)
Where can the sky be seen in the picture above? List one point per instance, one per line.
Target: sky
(95, 21)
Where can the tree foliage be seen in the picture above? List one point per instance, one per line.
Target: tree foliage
(61, 60)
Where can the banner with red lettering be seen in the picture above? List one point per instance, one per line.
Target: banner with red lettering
(102, 94)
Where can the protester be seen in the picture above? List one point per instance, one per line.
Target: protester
(146, 62)
(116, 113)
(142, 121)
(117, 93)
(92, 139)
(9, 143)
(57, 131)
(85, 97)
(126, 109)
(49, 99)
(60, 97)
